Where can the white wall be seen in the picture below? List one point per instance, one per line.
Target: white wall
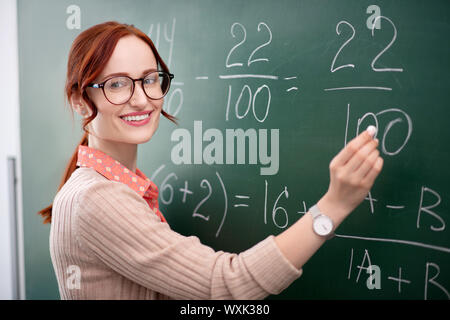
(10, 147)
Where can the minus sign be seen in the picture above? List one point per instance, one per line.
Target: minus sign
(201, 78)
(395, 207)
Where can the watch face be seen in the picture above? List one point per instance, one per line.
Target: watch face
(323, 225)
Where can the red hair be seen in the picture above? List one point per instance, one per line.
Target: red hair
(88, 55)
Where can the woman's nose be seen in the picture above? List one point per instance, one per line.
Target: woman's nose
(139, 97)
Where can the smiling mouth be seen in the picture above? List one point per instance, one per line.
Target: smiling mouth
(136, 118)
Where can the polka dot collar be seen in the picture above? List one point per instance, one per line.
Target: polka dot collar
(115, 171)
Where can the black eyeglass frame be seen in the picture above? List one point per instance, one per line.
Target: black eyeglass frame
(102, 85)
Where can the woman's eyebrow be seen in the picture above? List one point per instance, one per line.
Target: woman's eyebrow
(126, 74)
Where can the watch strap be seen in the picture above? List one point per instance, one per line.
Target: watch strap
(315, 212)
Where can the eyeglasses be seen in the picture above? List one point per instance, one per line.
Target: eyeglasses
(119, 90)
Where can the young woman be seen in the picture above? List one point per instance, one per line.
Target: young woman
(108, 239)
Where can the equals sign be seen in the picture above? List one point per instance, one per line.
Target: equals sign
(291, 88)
(241, 204)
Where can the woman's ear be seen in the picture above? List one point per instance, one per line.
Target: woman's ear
(79, 105)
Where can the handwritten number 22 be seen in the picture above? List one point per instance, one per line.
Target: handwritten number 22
(333, 68)
(244, 37)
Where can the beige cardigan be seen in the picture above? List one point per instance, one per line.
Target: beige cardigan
(106, 243)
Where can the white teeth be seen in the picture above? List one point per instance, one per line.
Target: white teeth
(136, 118)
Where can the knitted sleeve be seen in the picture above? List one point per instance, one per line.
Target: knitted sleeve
(116, 225)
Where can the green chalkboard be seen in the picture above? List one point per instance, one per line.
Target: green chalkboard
(266, 93)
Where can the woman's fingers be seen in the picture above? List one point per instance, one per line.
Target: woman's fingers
(367, 165)
(351, 148)
(370, 177)
(360, 156)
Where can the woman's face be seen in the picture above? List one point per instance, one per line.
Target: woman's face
(132, 57)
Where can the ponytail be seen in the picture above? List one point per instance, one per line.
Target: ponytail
(46, 213)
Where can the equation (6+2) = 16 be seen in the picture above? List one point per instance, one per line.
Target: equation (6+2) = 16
(279, 215)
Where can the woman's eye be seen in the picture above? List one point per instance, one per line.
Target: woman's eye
(149, 80)
(116, 84)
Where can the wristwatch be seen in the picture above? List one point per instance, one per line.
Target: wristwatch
(322, 224)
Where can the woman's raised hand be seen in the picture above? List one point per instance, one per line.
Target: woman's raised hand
(352, 174)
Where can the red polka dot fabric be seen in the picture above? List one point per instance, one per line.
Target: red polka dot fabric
(114, 170)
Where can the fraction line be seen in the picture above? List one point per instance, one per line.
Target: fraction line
(240, 76)
(406, 242)
(356, 88)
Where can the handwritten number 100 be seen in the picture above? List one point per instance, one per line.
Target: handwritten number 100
(333, 68)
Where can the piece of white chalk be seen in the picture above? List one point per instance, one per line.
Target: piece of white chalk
(372, 130)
